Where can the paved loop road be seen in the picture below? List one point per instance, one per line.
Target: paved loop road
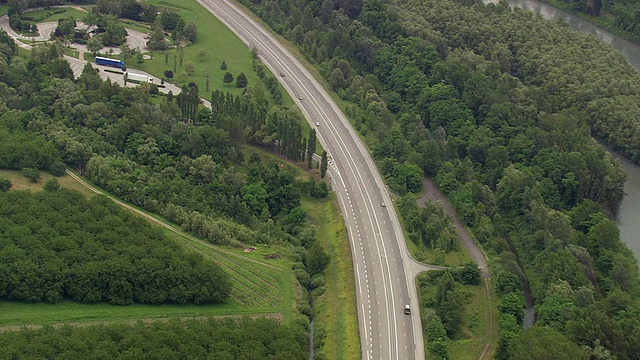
(383, 269)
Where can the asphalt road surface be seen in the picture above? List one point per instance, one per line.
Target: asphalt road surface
(383, 269)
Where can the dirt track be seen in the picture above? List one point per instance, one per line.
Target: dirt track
(431, 192)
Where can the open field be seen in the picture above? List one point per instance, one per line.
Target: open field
(255, 282)
(335, 309)
(218, 43)
(19, 182)
(41, 15)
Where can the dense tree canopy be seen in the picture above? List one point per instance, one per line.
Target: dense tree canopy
(208, 339)
(499, 108)
(56, 245)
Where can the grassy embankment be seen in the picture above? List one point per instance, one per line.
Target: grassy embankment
(49, 15)
(336, 312)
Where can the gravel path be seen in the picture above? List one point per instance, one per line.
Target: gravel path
(431, 192)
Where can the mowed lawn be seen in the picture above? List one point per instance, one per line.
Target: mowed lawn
(217, 41)
(68, 12)
(19, 182)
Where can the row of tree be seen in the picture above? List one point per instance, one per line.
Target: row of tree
(226, 339)
(56, 245)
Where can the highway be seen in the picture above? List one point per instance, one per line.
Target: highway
(384, 272)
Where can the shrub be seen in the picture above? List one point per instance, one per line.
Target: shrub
(241, 80)
(57, 168)
(303, 277)
(5, 185)
(32, 174)
(168, 74)
(317, 281)
(52, 185)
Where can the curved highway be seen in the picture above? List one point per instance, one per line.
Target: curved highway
(383, 269)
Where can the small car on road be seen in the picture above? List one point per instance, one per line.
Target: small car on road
(317, 123)
(407, 309)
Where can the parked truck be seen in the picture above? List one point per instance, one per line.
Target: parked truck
(139, 77)
(109, 62)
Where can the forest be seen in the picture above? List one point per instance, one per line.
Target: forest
(500, 108)
(202, 169)
(231, 339)
(56, 245)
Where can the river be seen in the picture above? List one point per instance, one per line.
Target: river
(629, 212)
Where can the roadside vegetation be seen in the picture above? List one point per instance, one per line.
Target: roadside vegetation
(337, 333)
(431, 233)
(458, 315)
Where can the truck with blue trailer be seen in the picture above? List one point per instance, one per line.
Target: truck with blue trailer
(109, 62)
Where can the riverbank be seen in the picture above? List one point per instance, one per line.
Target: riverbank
(628, 215)
(604, 21)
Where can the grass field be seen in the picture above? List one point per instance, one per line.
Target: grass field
(336, 311)
(22, 314)
(219, 44)
(68, 12)
(19, 182)
(256, 284)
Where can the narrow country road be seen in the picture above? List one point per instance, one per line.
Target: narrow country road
(431, 192)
